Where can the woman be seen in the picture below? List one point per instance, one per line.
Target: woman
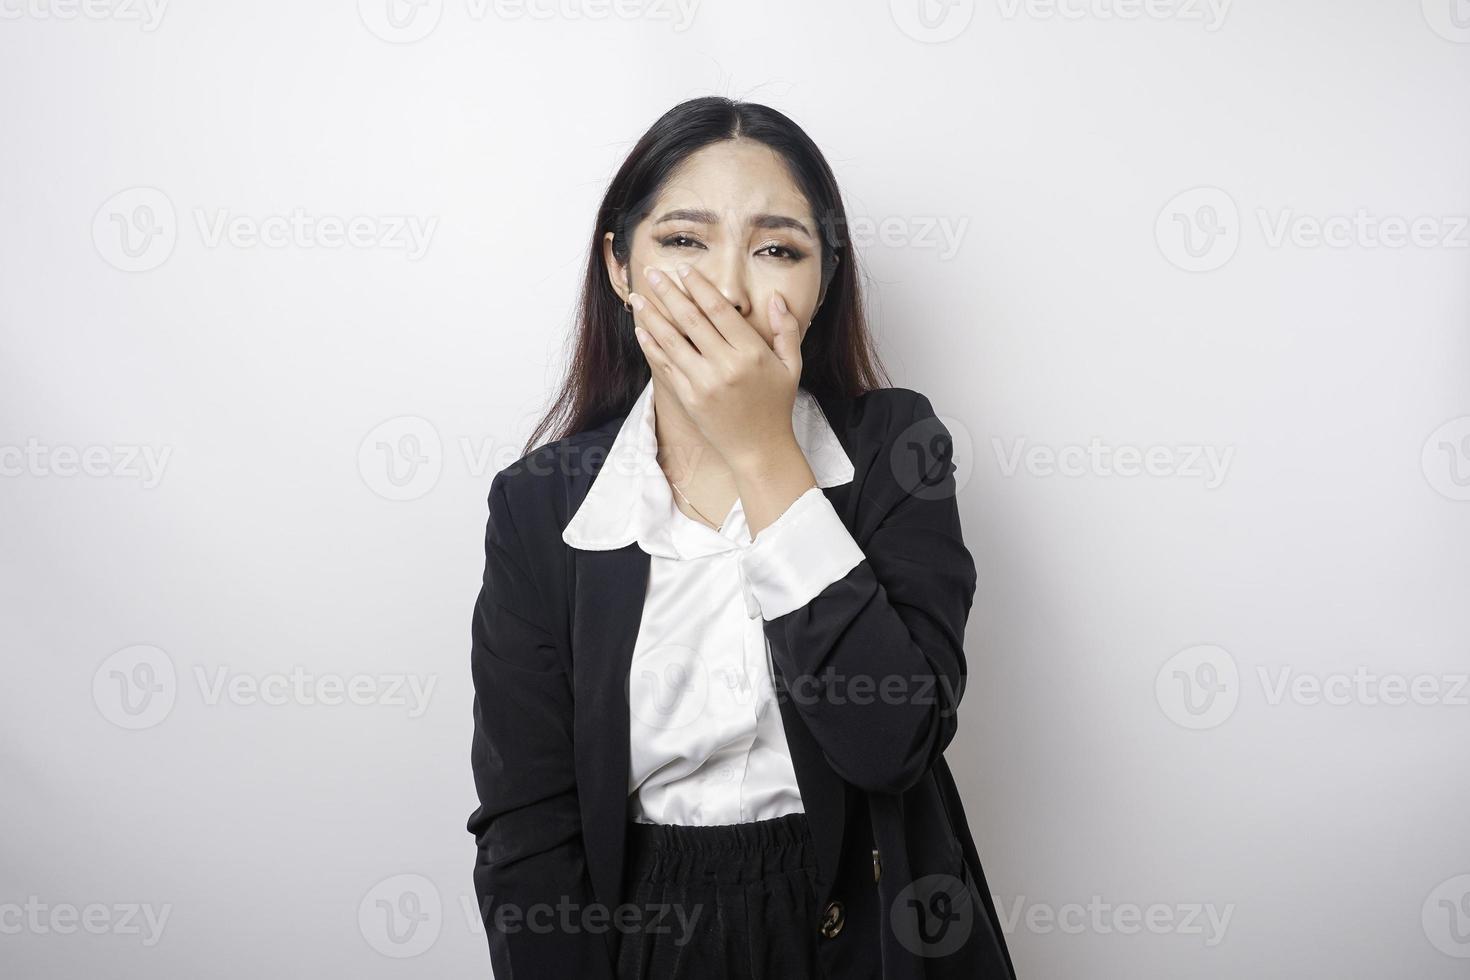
(719, 644)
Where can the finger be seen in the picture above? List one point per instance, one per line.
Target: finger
(786, 333)
(675, 347)
(684, 312)
(659, 363)
(736, 330)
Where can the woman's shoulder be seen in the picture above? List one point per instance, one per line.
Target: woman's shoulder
(899, 425)
(901, 401)
(880, 413)
(543, 481)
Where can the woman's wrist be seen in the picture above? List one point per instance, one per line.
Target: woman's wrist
(769, 481)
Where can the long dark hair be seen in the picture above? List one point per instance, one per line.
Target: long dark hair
(608, 370)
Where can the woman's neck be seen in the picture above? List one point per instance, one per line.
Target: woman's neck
(689, 459)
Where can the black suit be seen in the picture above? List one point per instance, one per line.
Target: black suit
(870, 673)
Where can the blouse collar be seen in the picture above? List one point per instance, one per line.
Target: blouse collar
(630, 499)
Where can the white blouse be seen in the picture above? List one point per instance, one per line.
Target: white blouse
(707, 744)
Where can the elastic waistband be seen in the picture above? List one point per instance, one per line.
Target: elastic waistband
(723, 853)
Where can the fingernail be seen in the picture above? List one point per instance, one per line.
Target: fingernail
(636, 300)
(780, 303)
(683, 269)
(653, 275)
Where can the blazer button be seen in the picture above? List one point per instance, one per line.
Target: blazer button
(832, 919)
(877, 866)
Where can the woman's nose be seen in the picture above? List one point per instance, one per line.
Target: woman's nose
(731, 285)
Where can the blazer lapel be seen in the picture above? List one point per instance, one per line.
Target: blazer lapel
(606, 613)
(822, 795)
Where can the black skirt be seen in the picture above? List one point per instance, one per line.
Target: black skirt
(723, 902)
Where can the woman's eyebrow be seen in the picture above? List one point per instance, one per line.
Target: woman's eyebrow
(702, 216)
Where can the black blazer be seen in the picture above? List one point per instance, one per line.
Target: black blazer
(870, 674)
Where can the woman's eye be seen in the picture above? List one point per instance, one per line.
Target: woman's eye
(780, 252)
(773, 250)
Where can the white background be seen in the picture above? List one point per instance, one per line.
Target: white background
(1079, 297)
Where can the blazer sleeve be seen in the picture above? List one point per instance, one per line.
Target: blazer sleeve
(874, 661)
(530, 863)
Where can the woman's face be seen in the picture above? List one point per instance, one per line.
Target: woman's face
(731, 211)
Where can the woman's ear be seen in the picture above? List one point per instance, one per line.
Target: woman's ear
(829, 269)
(618, 275)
